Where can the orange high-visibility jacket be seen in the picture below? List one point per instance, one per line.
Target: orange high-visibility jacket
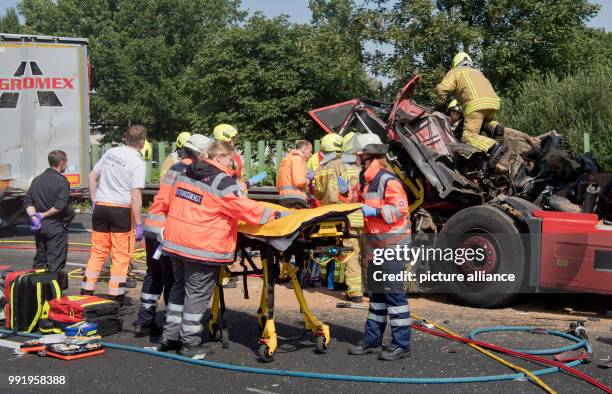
(384, 191)
(238, 165)
(205, 207)
(156, 217)
(292, 182)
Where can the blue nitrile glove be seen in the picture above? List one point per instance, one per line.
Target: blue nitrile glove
(343, 187)
(369, 211)
(310, 175)
(139, 232)
(36, 221)
(258, 178)
(282, 214)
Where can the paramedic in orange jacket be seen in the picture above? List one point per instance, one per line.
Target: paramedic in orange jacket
(159, 278)
(293, 176)
(385, 212)
(200, 236)
(115, 185)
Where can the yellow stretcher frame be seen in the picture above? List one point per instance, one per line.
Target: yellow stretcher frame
(268, 341)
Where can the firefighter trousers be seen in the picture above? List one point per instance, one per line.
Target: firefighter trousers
(157, 282)
(472, 124)
(395, 307)
(194, 284)
(353, 269)
(112, 233)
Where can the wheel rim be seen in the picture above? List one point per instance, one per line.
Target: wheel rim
(492, 256)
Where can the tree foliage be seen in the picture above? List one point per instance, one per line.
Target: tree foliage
(508, 39)
(573, 105)
(266, 75)
(9, 22)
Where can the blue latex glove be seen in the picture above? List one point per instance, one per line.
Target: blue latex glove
(258, 178)
(139, 232)
(369, 211)
(36, 221)
(282, 214)
(343, 187)
(310, 175)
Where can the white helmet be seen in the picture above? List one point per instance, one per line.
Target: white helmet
(369, 140)
(198, 143)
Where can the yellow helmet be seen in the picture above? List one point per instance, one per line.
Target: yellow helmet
(182, 138)
(454, 106)
(461, 56)
(347, 142)
(332, 142)
(224, 132)
(147, 151)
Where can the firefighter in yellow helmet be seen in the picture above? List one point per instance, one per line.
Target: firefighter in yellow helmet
(175, 156)
(479, 101)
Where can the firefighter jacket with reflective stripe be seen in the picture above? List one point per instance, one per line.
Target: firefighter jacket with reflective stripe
(384, 191)
(156, 217)
(292, 180)
(205, 207)
(470, 87)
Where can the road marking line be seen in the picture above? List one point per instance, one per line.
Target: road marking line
(9, 344)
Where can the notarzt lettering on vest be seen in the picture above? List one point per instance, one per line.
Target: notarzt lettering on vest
(188, 195)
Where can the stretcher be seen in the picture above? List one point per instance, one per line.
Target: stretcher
(303, 234)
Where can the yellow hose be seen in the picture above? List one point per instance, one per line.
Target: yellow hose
(517, 368)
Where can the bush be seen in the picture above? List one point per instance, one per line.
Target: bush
(573, 105)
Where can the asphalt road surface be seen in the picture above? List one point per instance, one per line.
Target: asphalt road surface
(121, 371)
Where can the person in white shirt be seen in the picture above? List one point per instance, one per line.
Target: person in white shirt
(115, 187)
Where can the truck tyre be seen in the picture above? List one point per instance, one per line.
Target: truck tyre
(476, 227)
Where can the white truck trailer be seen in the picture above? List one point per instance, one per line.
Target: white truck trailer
(44, 105)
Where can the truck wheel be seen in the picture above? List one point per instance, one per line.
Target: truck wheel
(488, 228)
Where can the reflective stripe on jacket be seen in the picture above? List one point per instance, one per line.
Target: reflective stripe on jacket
(470, 87)
(205, 206)
(156, 217)
(292, 180)
(384, 190)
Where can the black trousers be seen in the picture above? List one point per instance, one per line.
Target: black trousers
(51, 246)
(158, 281)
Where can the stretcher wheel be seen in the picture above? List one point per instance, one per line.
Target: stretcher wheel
(264, 353)
(321, 346)
(215, 332)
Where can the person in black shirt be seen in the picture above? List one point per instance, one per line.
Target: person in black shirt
(47, 205)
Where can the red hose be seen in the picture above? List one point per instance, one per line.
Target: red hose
(562, 366)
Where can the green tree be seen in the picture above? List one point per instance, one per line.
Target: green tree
(508, 39)
(9, 23)
(140, 51)
(574, 105)
(265, 76)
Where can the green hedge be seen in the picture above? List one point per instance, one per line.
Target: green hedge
(576, 104)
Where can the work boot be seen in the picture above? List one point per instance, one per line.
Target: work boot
(495, 154)
(167, 345)
(354, 299)
(362, 348)
(130, 282)
(197, 352)
(141, 330)
(498, 131)
(393, 354)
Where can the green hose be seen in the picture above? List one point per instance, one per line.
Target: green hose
(327, 376)
(573, 346)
